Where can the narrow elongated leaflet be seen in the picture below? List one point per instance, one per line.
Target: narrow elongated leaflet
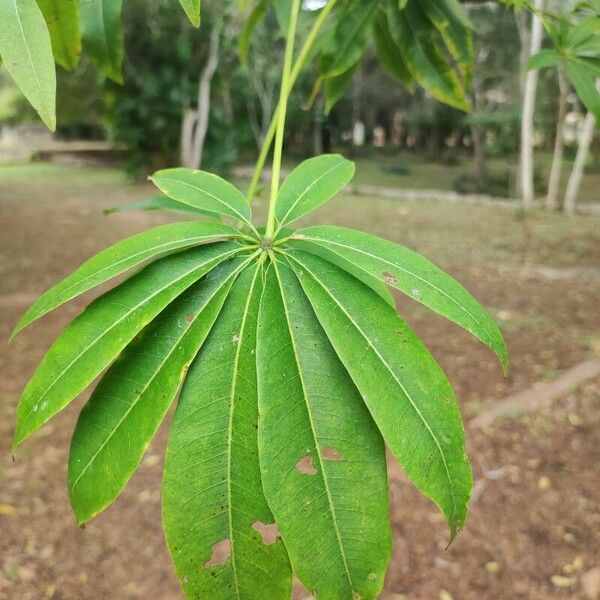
(204, 191)
(158, 202)
(212, 493)
(121, 257)
(102, 35)
(405, 390)
(414, 35)
(390, 54)
(62, 18)
(97, 336)
(312, 183)
(322, 458)
(192, 10)
(130, 402)
(26, 52)
(408, 272)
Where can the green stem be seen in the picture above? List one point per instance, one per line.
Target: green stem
(281, 114)
(298, 66)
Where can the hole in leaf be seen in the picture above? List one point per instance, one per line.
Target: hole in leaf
(305, 465)
(221, 551)
(269, 532)
(389, 278)
(330, 454)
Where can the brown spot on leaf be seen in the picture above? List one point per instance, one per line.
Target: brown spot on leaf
(389, 278)
(305, 465)
(221, 551)
(269, 532)
(330, 454)
(189, 318)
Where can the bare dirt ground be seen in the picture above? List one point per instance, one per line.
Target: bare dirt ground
(534, 527)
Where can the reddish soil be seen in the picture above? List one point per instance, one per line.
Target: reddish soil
(534, 527)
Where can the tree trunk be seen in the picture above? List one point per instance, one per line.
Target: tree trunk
(527, 122)
(578, 168)
(195, 123)
(559, 144)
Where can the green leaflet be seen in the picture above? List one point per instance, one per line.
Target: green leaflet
(158, 202)
(204, 191)
(414, 35)
(121, 257)
(322, 459)
(335, 87)
(256, 16)
(585, 82)
(102, 35)
(93, 340)
(192, 10)
(390, 55)
(212, 494)
(347, 44)
(311, 184)
(457, 36)
(405, 390)
(408, 272)
(130, 402)
(26, 50)
(62, 18)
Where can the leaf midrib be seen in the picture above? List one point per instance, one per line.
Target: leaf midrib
(384, 362)
(117, 322)
(174, 347)
(230, 428)
(314, 433)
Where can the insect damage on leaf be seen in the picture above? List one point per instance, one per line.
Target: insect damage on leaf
(221, 551)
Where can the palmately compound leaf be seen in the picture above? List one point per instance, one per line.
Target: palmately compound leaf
(405, 390)
(408, 272)
(130, 402)
(217, 523)
(26, 50)
(102, 35)
(62, 18)
(205, 191)
(97, 336)
(121, 257)
(322, 458)
(311, 184)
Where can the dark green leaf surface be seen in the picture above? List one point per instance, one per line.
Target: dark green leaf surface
(121, 257)
(192, 10)
(311, 184)
(26, 50)
(212, 494)
(97, 336)
(414, 35)
(390, 55)
(102, 35)
(62, 18)
(322, 459)
(347, 44)
(127, 406)
(405, 390)
(410, 273)
(205, 191)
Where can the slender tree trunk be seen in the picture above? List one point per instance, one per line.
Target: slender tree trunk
(527, 119)
(195, 123)
(574, 184)
(559, 144)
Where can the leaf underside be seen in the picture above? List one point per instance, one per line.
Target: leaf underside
(293, 372)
